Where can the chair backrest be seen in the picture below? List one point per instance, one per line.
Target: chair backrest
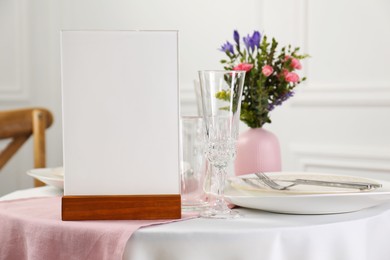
(19, 125)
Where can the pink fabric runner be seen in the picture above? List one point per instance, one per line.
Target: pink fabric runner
(32, 229)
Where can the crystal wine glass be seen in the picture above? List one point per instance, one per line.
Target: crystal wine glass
(221, 93)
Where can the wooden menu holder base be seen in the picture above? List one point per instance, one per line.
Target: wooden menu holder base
(121, 207)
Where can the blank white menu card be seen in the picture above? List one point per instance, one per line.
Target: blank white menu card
(120, 112)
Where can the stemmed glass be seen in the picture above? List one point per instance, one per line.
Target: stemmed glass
(221, 93)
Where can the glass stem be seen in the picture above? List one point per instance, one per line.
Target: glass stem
(220, 204)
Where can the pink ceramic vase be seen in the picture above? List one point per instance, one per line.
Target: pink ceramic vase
(257, 150)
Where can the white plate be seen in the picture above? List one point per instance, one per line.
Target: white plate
(50, 176)
(309, 203)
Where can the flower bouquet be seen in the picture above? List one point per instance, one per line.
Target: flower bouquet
(271, 74)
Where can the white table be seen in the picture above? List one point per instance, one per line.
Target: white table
(362, 235)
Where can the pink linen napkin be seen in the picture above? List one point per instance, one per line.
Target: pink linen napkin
(32, 229)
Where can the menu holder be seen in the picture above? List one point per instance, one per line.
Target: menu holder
(121, 207)
(120, 125)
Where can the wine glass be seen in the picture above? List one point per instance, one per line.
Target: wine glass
(221, 93)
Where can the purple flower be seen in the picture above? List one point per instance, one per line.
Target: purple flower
(252, 41)
(248, 42)
(280, 100)
(256, 37)
(227, 47)
(236, 37)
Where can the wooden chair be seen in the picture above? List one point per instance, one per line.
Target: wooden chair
(19, 125)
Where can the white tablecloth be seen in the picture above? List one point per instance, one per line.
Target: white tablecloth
(362, 235)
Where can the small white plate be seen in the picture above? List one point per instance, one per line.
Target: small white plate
(298, 202)
(50, 176)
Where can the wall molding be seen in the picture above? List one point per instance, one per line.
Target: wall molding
(351, 94)
(187, 94)
(188, 102)
(333, 94)
(343, 157)
(18, 91)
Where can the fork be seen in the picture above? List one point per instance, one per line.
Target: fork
(354, 185)
(270, 183)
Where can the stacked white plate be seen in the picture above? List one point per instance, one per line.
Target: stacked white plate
(50, 176)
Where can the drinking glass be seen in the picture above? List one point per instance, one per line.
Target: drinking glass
(221, 93)
(193, 164)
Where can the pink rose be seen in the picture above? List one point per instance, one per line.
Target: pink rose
(284, 73)
(295, 63)
(267, 70)
(243, 66)
(291, 77)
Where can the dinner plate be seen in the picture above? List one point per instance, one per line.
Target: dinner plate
(306, 200)
(50, 176)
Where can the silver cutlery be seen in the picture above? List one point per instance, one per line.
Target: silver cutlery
(255, 183)
(338, 184)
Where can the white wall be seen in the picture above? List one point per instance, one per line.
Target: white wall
(337, 122)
